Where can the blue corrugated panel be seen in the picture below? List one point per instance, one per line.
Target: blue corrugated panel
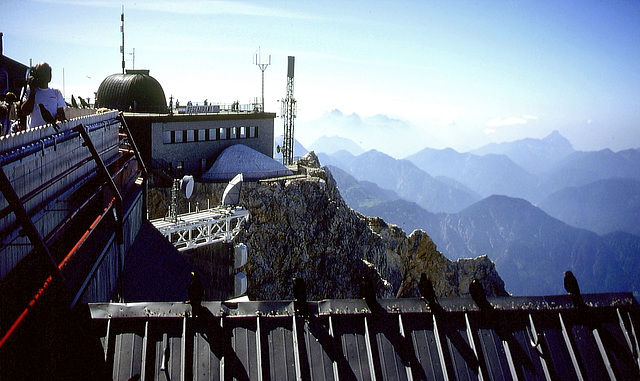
(534, 340)
(277, 344)
(460, 358)
(318, 349)
(426, 353)
(392, 352)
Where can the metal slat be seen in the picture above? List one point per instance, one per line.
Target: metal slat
(462, 361)
(350, 333)
(319, 346)
(277, 341)
(391, 359)
(207, 348)
(242, 357)
(569, 346)
(493, 354)
(128, 351)
(613, 341)
(472, 344)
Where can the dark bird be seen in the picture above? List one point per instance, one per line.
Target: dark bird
(74, 104)
(478, 295)
(300, 297)
(84, 103)
(368, 293)
(195, 290)
(426, 290)
(572, 287)
(47, 117)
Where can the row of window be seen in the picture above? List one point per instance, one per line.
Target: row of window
(209, 134)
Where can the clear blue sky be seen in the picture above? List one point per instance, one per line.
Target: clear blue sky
(467, 72)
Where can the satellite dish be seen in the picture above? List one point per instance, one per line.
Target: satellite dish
(231, 195)
(186, 185)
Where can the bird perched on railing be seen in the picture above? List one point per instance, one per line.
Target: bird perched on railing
(47, 117)
(479, 296)
(425, 286)
(300, 297)
(195, 291)
(84, 103)
(572, 287)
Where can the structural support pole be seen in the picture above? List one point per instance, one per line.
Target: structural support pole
(104, 172)
(143, 167)
(27, 225)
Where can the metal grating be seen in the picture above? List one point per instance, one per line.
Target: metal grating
(543, 338)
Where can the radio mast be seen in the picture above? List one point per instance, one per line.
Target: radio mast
(122, 32)
(257, 60)
(289, 113)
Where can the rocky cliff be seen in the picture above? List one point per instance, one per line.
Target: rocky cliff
(301, 227)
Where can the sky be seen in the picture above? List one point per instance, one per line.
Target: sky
(462, 73)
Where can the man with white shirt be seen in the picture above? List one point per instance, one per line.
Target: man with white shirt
(41, 98)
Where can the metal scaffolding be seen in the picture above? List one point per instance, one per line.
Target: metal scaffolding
(195, 229)
(289, 114)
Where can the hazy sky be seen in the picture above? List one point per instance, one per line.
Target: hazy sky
(466, 72)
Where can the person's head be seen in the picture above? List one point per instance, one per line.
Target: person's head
(42, 74)
(10, 97)
(3, 111)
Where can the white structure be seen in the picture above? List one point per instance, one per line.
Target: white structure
(191, 230)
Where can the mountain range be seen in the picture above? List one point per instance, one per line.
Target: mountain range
(536, 207)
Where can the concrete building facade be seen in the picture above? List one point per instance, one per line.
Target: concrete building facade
(186, 144)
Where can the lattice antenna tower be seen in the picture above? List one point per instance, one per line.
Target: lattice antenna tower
(257, 60)
(289, 113)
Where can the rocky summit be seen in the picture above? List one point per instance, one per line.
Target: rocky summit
(301, 227)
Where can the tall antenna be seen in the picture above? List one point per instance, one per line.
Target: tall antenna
(257, 60)
(289, 113)
(122, 32)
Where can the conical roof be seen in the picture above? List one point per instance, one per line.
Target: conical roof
(242, 159)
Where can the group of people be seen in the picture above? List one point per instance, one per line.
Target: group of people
(42, 104)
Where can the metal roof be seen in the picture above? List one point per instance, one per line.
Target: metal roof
(135, 91)
(240, 158)
(526, 338)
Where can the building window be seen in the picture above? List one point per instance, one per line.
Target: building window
(190, 135)
(234, 134)
(252, 132)
(201, 135)
(223, 133)
(166, 137)
(178, 137)
(243, 132)
(212, 134)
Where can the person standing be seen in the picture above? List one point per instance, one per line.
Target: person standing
(43, 104)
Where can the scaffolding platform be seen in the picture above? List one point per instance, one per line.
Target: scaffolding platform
(204, 227)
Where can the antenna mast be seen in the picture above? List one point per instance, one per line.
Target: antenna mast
(289, 113)
(122, 32)
(257, 60)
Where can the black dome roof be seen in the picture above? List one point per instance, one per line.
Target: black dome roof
(135, 91)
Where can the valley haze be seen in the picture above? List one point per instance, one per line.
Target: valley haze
(536, 207)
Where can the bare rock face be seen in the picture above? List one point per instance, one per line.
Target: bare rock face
(301, 227)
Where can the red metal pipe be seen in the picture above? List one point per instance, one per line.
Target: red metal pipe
(16, 324)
